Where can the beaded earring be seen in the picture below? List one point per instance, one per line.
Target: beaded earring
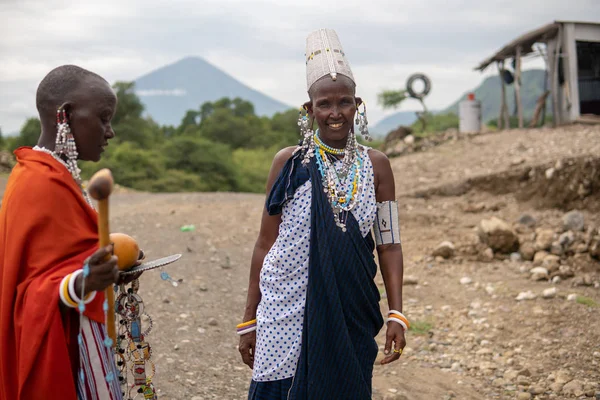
(308, 143)
(65, 143)
(361, 121)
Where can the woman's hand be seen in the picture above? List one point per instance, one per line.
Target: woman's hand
(246, 348)
(394, 335)
(127, 279)
(103, 271)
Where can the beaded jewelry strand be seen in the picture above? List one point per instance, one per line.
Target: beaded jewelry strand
(135, 352)
(341, 187)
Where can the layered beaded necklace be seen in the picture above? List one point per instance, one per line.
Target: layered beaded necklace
(342, 185)
(72, 168)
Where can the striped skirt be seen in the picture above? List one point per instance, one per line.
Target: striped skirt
(98, 378)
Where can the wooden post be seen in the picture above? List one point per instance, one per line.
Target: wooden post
(502, 120)
(546, 75)
(555, 87)
(540, 105)
(518, 86)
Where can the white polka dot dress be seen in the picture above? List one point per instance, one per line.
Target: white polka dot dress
(284, 280)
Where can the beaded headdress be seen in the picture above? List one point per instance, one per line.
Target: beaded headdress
(325, 56)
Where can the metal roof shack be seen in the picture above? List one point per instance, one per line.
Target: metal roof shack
(571, 52)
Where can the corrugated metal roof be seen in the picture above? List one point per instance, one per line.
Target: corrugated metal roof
(577, 22)
(525, 41)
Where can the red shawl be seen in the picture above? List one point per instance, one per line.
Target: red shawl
(47, 230)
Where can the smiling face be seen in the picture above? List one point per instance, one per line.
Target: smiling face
(333, 105)
(90, 113)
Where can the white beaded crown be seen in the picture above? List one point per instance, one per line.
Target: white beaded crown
(325, 56)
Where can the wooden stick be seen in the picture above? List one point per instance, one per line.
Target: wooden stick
(100, 188)
(556, 107)
(541, 104)
(518, 86)
(546, 74)
(503, 122)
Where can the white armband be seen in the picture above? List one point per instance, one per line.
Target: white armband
(387, 224)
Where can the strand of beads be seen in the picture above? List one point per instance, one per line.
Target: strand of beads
(328, 149)
(307, 137)
(341, 189)
(135, 352)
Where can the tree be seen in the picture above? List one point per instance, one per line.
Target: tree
(191, 118)
(29, 135)
(130, 165)
(129, 105)
(232, 122)
(285, 128)
(391, 98)
(128, 123)
(211, 162)
(253, 166)
(242, 108)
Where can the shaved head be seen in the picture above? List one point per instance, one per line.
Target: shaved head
(59, 86)
(89, 104)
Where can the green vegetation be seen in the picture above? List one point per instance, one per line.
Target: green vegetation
(221, 146)
(391, 98)
(435, 123)
(586, 301)
(28, 136)
(420, 327)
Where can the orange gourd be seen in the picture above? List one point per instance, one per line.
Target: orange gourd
(126, 249)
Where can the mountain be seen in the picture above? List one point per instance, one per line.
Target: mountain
(488, 92)
(170, 91)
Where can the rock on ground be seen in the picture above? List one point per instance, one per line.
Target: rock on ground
(445, 250)
(498, 235)
(573, 221)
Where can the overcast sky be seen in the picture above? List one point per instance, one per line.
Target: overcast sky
(262, 42)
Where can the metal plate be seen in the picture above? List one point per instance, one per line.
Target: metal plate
(153, 264)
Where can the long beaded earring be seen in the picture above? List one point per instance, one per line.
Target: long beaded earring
(308, 143)
(361, 121)
(65, 143)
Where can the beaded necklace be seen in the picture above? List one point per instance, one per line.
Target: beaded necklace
(328, 149)
(341, 187)
(73, 170)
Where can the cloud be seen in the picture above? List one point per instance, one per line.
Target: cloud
(261, 42)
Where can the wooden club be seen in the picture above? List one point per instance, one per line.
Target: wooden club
(100, 187)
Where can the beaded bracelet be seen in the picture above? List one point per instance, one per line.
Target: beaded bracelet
(397, 316)
(246, 327)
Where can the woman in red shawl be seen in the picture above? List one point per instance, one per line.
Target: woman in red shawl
(49, 251)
